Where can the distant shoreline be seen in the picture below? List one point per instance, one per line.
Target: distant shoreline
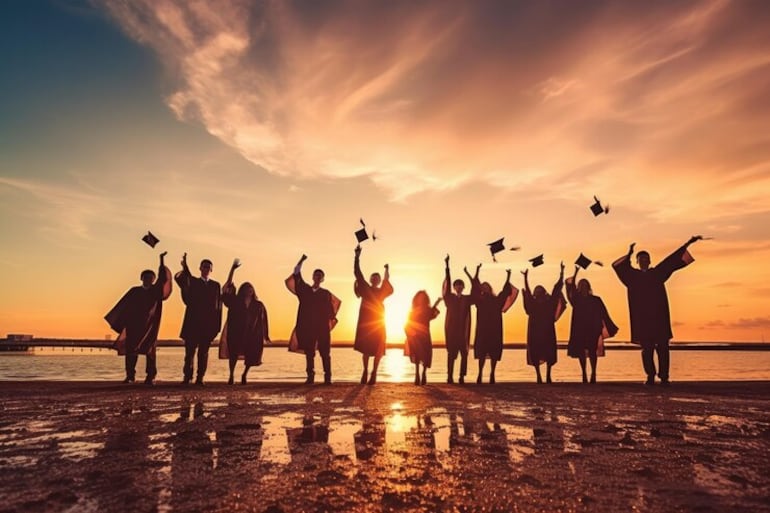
(614, 346)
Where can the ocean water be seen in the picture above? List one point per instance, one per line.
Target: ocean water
(280, 365)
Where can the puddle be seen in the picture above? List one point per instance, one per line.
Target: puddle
(342, 431)
(214, 449)
(78, 451)
(275, 442)
(520, 441)
(277, 399)
(688, 400)
(190, 412)
(18, 461)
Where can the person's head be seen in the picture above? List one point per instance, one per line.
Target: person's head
(375, 279)
(486, 289)
(246, 290)
(147, 277)
(206, 267)
(539, 292)
(643, 259)
(584, 287)
(318, 277)
(459, 286)
(421, 300)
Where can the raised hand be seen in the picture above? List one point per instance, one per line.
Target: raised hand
(446, 259)
(562, 266)
(387, 267)
(236, 263)
(184, 261)
(694, 238)
(525, 272)
(358, 249)
(631, 248)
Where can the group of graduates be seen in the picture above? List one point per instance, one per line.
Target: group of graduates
(136, 319)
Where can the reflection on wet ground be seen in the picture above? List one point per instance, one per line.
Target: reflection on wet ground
(347, 447)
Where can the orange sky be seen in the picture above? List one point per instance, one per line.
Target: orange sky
(265, 131)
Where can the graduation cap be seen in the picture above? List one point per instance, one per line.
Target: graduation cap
(537, 261)
(583, 261)
(150, 239)
(496, 247)
(598, 209)
(361, 234)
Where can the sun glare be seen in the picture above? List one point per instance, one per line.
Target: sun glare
(397, 309)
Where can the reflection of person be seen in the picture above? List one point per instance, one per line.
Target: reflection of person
(202, 317)
(316, 317)
(457, 324)
(648, 304)
(370, 330)
(419, 347)
(488, 342)
(136, 319)
(591, 324)
(543, 310)
(246, 329)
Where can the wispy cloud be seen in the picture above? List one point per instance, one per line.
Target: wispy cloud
(430, 95)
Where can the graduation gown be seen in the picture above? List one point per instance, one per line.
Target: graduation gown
(245, 330)
(488, 340)
(541, 325)
(591, 323)
(370, 330)
(647, 297)
(136, 316)
(419, 346)
(457, 321)
(203, 315)
(316, 314)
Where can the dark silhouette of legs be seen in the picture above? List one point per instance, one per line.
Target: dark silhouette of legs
(203, 360)
(245, 372)
(373, 377)
(463, 364)
(232, 362)
(548, 372)
(493, 365)
(648, 362)
(309, 366)
(365, 361)
(594, 361)
(482, 360)
(537, 372)
(450, 368)
(189, 356)
(664, 360)
(582, 360)
(131, 359)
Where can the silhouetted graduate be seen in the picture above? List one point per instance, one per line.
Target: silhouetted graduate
(202, 317)
(419, 346)
(370, 330)
(136, 319)
(457, 323)
(316, 317)
(591, 323)
(648, 304)
(246, 329)
(543, 310)
(490, 307)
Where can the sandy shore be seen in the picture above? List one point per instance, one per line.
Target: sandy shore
(392, 447)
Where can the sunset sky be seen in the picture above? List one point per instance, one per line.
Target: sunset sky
(262, 130)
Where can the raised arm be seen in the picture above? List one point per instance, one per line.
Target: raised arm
(357, 266)
(183, 278)
(446, 287)
(559, 283)
(387, 288)
(572, 284)
(527, 292)
(680, 258)
(622, 266)
(236, 265)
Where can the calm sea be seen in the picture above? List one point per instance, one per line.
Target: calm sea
(280, 365)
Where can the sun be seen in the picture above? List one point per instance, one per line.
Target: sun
(397, 308)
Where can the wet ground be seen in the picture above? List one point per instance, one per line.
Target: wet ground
(392, 447)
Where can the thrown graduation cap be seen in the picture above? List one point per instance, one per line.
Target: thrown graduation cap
(598, 209)
(537, 261)
(496, 247)
(361, 234)
(583, 261)
(150, 239)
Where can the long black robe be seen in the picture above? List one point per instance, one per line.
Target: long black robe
(203, 315)
(419, 346)
(245, 330)
(543, 313)
(136, 316)
(370, 329)
(647, 297)
(457, 321)
(316, 315)
(591, 323)
(488, 340)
